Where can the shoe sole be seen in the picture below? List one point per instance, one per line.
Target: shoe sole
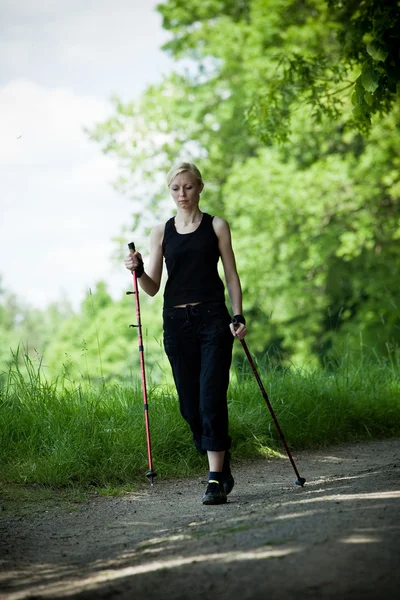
(209, 501)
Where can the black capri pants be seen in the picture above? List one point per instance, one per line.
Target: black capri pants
(198, 343)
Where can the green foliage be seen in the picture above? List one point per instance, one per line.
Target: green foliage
(94, 344)
(328, 246)
(369, 37)
(23, 325)
(315, 220)
(314, 52)
(98, 344)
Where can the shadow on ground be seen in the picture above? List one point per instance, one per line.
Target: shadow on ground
(338, 537)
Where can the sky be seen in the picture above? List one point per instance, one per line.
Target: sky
(60, 63)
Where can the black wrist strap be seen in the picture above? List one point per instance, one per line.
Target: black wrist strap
(238, 319)
(140, 269)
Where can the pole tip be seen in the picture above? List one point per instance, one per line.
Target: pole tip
(151, 475)
(301, 481)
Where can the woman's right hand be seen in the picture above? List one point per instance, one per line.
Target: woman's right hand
(133, 261)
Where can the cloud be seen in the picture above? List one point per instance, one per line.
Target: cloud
(100, 47)
(59, 211)
(59, 64)
(41, 126)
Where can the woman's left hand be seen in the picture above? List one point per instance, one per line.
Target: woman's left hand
(239, 330)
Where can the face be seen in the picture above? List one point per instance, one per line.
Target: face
(185, 189)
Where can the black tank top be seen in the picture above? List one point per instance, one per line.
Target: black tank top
(191, 260)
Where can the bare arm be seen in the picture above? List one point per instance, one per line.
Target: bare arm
(151, 278)
(232, 280)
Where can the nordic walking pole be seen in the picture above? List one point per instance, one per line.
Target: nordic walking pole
(151, 474)
(300, 480)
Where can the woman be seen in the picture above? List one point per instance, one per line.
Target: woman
(198, 331)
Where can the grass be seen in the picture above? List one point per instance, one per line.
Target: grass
(86, 436)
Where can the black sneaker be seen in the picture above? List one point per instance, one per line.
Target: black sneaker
(227, 479)
(215, 493)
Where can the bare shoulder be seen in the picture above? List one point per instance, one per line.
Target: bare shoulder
(157, 234)
(221, 226)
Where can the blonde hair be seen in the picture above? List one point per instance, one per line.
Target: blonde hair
(183, 167)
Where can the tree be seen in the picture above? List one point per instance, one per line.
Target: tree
(318, 247)
(315, 220)
(27, 328)
(97, 343)
(345, 50)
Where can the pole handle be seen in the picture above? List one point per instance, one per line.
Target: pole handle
(131, 247)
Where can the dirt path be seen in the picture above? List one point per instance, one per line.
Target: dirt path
(338, 537)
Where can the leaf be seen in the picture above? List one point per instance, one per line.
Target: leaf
(358, 111)
(369, 98)
(369, 78)
(359, 91)
(377, 51)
